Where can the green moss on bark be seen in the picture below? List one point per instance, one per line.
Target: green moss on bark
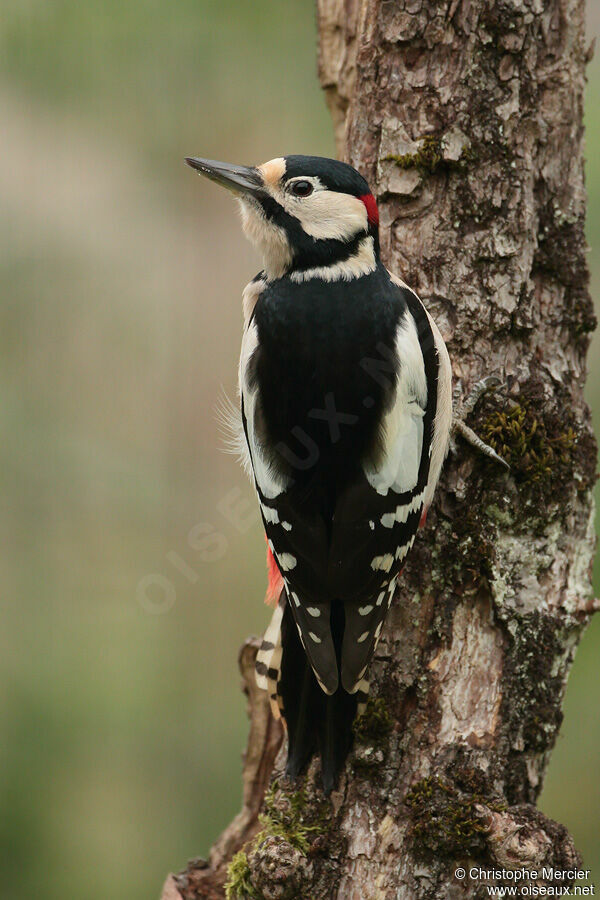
(536, 450)
(238, 885)
(445, 819)
(429, 158)
(289, 824)
(375, 723)
(289, 816)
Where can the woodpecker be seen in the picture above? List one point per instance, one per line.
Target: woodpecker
(346, 413)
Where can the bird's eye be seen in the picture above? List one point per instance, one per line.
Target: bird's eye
(302, 188)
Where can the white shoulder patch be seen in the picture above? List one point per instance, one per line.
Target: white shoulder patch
(442, 425)
(270, 483)
(250, 295)
(403, 423)
(443, 416)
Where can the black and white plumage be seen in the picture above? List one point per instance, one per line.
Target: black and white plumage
(345, 387)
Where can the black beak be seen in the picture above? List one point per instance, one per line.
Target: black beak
(239, 179)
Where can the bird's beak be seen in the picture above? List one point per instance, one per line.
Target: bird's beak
(239, 179)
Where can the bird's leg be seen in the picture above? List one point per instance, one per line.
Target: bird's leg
(462, 408)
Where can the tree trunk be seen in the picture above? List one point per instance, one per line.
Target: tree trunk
(466, 118)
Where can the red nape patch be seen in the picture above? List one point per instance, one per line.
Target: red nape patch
(372, 211)
(423, 518)
(275, 585)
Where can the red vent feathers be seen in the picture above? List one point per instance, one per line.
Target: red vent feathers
(275, 585)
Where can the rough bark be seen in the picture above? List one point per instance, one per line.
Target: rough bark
(466, 118)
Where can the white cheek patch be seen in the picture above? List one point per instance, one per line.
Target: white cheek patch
(323, 214)
(327, 214)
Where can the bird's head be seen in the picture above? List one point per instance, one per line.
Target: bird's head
(304, 213)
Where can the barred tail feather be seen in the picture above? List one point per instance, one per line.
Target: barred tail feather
(268, 660)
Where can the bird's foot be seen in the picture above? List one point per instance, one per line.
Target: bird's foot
(464, 408)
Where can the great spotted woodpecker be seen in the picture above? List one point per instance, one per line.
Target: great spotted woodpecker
(346, 409)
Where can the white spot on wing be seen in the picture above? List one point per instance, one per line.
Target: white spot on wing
(286, 561)
(401, 552)
(402, 511)
(365, 610)
(382, 563)
(313, 611)
(271, 515)
(363, 637)
(314, 637)
(321, 685)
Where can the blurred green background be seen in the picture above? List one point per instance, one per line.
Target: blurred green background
(133, 559)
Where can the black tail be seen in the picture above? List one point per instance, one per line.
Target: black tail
(315, 721)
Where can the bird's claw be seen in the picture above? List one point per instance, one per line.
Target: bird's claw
(466, 407)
